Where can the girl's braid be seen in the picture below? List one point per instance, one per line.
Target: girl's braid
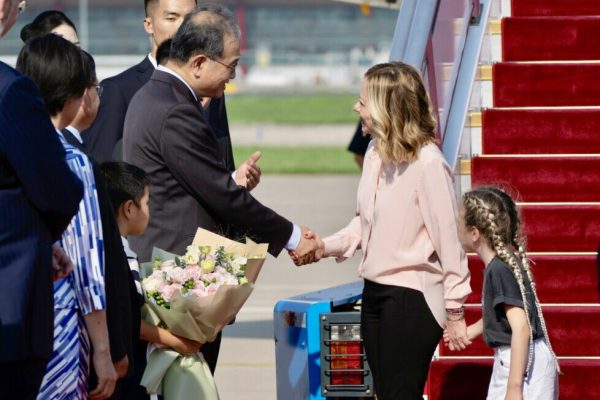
(519, 244)
(487, 220)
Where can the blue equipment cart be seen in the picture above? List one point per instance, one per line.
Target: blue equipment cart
(318, 349)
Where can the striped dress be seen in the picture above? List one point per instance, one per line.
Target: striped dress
(80, 293)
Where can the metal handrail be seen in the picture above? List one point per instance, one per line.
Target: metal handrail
(459, 106)
(414, 28)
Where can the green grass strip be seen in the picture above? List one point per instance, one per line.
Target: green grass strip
(297, 109)
(300, 160)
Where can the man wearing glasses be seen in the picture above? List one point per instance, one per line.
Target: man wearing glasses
(104, 138)
(38, 197)
(167, 135)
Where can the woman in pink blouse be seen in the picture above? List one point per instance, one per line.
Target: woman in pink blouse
(415, 272)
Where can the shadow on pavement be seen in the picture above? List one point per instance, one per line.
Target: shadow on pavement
(261, 329)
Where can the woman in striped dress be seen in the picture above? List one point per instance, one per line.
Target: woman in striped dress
(63, 74)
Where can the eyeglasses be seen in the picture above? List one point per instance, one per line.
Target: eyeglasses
(22, 6)
(99, 90)
(231, 67)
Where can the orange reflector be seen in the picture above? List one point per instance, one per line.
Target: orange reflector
(347, 378)
(345, 356)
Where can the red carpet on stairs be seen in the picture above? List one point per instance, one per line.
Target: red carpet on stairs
(468, 378)
(559, 278)
(550, 38)
(561, 227)
(554, 8)
(546, 85)
(541, 131)
(551, 158)
(535, 179)
(564, 324)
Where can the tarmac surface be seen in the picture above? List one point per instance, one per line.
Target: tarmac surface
(246, 367)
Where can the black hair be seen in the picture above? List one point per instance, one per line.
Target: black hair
(162, 53)
(204, 31)
(89, 66)
(148, 4)
(124, 182)
(57, 67)
(152, 3)
(45, 23)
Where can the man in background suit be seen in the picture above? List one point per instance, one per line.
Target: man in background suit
(38, 197)
(104, 138)
(167, 135)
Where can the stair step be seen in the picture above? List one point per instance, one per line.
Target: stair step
(548, 84)
(561, 227)
(468, 378)
(538, 8)
(559, 278)
(550, 38)
(558, 131)
(541, 178)
(564, 324)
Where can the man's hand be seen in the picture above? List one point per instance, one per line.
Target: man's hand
(309, 250)
(61, 263)
(248, 174)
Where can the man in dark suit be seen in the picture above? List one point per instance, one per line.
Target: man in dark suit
(167, 135)
(38, 197)
(104, 138)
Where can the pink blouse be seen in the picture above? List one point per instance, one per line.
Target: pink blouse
(406, 228)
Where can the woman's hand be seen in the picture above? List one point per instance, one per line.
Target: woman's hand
(455, 335)
(107, 376)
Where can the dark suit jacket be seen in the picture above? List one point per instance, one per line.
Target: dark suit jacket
(104, 138)
(122, 313)
(166, 134)
(359, 142)
(38, 197)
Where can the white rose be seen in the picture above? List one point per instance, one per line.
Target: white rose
(191, 258)
(192, 249)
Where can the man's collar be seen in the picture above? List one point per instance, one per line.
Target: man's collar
(152, 60)
(175, 74)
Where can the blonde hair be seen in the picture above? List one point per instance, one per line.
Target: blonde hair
(401, 111)
(494, 213)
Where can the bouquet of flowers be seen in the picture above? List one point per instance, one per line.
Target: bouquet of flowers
(194, 296)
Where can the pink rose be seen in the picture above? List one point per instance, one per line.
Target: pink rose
(168, 291)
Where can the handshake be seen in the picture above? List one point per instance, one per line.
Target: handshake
(309, 250)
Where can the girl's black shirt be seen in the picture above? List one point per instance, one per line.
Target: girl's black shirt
(500, 287)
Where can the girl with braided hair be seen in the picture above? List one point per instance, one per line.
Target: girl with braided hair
(525, 366)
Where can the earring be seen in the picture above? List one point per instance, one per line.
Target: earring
(22, 6)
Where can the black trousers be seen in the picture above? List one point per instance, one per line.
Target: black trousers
(21, 379)
(400, 335)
